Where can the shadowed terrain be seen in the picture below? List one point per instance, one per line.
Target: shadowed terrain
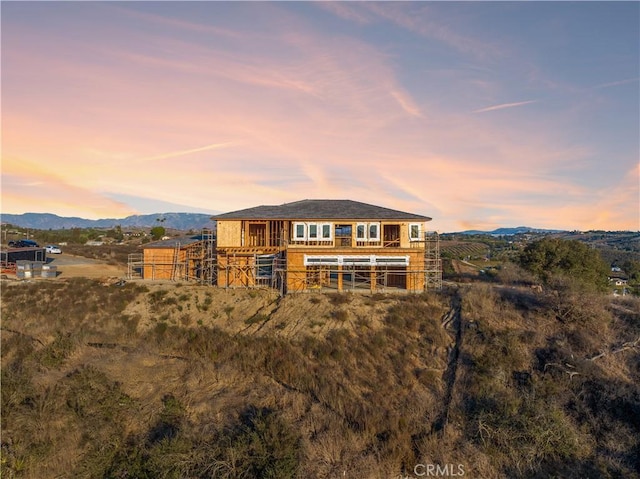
(169, 380)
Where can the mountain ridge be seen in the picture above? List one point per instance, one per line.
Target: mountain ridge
(510, 231)
(179, 221)
(184, 221)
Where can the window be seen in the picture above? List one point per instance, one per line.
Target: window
(360, 260)
(368, 232)
(315, 260)
(264, 266)
(312, 231)
(414, 231)
(392, 260)
(299, 231)
(374, 231)
(352, 260)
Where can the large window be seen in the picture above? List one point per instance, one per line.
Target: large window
(374, 231)
(264, 266)
(414, 231)
(368, 232)
(359, 260)
(299, 231)
(312, 231)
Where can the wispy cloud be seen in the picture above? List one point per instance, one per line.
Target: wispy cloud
(503, 106)
(406, 103)
(46, 191)
(346, 11)
(419, 18)
(299, 106)
(617, 83)
(165, 21)
(426, 21)
(174, 154)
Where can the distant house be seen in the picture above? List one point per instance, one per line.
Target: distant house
(325, 244)
(619, 281)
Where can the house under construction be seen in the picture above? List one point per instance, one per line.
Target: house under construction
(325, 245)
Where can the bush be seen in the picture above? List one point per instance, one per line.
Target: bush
(340, 315)
(263, 445)
(550, 257)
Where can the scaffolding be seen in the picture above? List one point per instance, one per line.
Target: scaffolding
(251, 270)
(432, 261)
(209, 270)
(259, 267)
(135, 266)
(200, 259)
(177, 269)
(186, 261)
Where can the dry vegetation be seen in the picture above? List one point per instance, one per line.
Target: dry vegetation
(166, 380)
(110, 254)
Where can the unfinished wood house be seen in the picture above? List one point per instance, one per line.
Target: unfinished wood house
(183, 258)
(326, 245)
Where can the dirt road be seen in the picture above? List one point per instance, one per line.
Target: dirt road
(70, 266)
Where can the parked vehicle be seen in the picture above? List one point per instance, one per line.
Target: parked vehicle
(53, 249)
(24, 243)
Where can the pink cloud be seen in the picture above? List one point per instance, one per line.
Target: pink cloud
(422, 20)
(310, 116)
(503, 106)
(27, 187)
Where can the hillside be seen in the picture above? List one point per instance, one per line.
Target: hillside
(508, 231)
(170, 380)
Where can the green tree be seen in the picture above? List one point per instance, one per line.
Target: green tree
(115, 233)
(157, 232)
(632, 269)
(552, 257)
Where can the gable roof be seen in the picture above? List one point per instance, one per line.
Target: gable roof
(320, 210)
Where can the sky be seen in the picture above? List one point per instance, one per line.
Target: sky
(477, 114)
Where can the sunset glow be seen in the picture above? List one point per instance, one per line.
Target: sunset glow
(479, 115)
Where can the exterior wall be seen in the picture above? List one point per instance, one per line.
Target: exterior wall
(236, 261)
(411, 277)
(159, 263)
(26, 254)
(404, 235)
(229, 234)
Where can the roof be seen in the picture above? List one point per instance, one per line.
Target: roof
(173, 242)
(320, 210)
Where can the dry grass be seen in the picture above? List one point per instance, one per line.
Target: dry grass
(161, 380)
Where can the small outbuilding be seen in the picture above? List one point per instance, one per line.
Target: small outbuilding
(13, 255)
(183, 257)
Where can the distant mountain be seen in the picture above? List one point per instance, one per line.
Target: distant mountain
(509, 231)
(45, 221)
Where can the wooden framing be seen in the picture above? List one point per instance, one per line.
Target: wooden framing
(237, 265)
(303, 246)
